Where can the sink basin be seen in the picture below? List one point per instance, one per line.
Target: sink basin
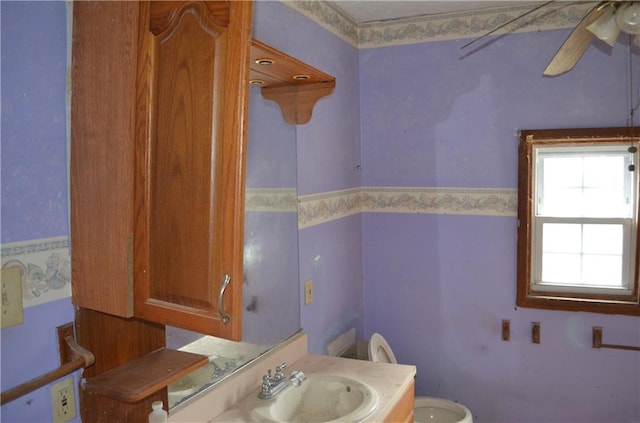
(319, 399)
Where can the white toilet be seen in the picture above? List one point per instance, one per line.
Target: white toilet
(426, 409)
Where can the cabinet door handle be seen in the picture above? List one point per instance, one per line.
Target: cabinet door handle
(225, 282)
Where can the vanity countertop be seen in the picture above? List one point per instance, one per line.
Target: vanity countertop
(389, 380)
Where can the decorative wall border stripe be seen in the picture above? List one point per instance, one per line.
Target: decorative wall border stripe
(446, 26)
(460, 201)
(327, 16)
(45, 266)
(321, 208)
(271, 200)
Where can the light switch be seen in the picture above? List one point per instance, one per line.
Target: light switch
(535, 332)
(308, 291)
(506, 330)
(11, 305)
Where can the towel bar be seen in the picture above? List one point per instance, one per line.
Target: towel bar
(79, 358)
(597, 341)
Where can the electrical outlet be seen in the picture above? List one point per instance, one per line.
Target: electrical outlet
(308, 291)
(64, 401)
(12, 313)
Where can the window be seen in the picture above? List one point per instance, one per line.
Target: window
(578, 230)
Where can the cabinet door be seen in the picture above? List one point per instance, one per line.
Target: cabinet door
(189, 175)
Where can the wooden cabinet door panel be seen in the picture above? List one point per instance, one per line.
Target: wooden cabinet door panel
(192, 80)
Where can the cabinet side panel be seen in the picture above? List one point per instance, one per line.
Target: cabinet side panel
(102, 125)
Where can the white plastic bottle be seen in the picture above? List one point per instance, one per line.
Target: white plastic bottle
(158, 415)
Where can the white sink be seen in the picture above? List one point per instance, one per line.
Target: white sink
(319, 399)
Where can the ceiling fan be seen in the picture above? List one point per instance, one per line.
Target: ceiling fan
(604, 21)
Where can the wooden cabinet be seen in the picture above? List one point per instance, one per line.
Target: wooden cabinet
(402, 412)
(159, 99)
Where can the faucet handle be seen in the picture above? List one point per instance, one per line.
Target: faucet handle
(297, 377)
(279, 375)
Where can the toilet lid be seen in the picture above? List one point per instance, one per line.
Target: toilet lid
(380, 351)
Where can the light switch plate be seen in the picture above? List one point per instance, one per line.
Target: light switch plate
(11, 305)
(308, 291)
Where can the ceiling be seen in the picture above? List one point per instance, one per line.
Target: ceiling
(380, 10)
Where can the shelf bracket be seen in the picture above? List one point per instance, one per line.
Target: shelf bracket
(297, 101)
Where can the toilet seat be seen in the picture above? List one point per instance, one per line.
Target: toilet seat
(426, 409)
(440, 410)
(380, 351)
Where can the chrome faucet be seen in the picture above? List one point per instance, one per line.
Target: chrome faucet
(273, 385)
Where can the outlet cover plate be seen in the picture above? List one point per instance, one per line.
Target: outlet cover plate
(63, 398)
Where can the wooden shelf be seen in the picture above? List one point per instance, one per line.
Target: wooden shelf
(144, 376)
(293, 84)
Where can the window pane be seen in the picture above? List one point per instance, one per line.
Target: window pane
(582, 254)
(604, 186)
(603, 239)
(602, 270)
(604, 171)
(562, 201)
(583, 184)
(563, 171)
(560, 268)
(561, 238)
(562, 186)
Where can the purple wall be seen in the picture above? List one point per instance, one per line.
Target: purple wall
(34, 176)
(438, 286)
(430, 118)
(328, 158)
(34, 182)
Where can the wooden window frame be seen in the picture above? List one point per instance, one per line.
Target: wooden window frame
(569, 301)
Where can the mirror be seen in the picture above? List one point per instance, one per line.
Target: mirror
(271, 297)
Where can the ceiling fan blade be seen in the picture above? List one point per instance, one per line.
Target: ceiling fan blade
(575, 45)
(486, 34)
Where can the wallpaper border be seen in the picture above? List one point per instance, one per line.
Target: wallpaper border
(46, 263)
(316, 209)
(271, 200)
(45, 267)
(446, 26)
